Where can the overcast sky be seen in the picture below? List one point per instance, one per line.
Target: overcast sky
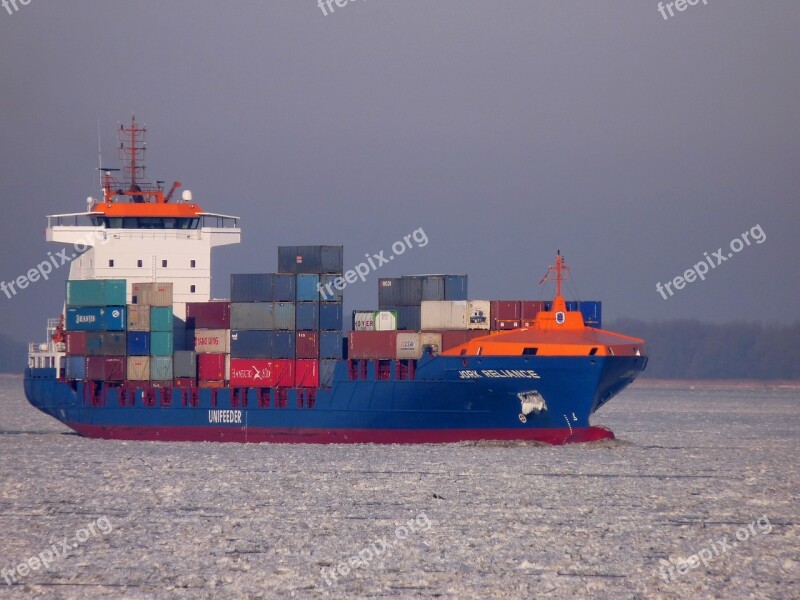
(506, 130)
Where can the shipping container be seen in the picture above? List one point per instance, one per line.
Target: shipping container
(281, 344)
(443, 314)
(326, 372)
(138, 343)
(179, 337)
(211, 367)
(253, 315)
(453, 338)
(388, 293)
(138, 317)
(409, 345)
(307, 287)
(310, 259)
(76, 367)
(432, 288)
(331, 345)
(262, 373)
(152, 294)
(255, 287)
(590, 309)
(208, 341)
(96, 318)
(306, 374)
(139, 368)
(307, 344)
(208, 315)
(102, 343)
(96, 292)
(283, 287)
(506, 324)
(411, 291)
(374, 320)
(328, 291)
(184, 364)
(478, 314)
(409, 318)
(505, 310)
(307, 316)
(372, 345)
(106, 368)
(249, 343)
(161, 344)
(432, 340)
(531, 308)
(455, 287)
(284, 313)
(161, 318)
(184, 382)
(211, 384)
(161, 368)
(331, 316)
(75, 343)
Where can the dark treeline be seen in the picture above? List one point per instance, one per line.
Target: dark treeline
(685, 349)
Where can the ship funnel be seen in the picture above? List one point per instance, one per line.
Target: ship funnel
(186, 196)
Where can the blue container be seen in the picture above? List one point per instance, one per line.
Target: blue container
(281, 344)
(432, 287)
(310, 259)
(592, 310)
(455, 287)
(328, 292)
(255, 287)
(161, 318)
(96, 318)
(138, 343)
(76, 367)
(331, 316)
(283, 287)
(331, 345)
(307, 316)
(306, 287)
(409, 318)
(161, 343)
(246, 343)
(326, 371)
(105, 343)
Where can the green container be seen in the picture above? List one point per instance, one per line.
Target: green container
(96, 292)
(161, 318)
(161, 343)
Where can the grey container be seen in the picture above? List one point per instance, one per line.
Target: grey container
(409, 318)
(310, 259)
(455, 287)
(433, 287)
(255, 287)
(326, 371)
(161, 368)
(252, 315)
(388, 292)
(284, 316)
(184, 364)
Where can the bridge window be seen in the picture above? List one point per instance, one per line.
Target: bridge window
(163, 263)
(193, 263)
(530, 351)
(593, 351)
(111, 263)
(139, 263)
(191, 289)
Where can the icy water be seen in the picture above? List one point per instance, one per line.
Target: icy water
(709, 472)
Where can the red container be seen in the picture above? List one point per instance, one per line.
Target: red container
(372, 344)
(531, 308)
(307, 344)
(262, 372)
(75, 342)
(306, 374)
(211, 367)
(208, 315)
(106, 368)
(453, 338)
(185, 382)
(211, 384)
(506, 324)
(505, 310)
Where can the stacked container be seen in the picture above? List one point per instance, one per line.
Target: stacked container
(151, 333)
(95, 324)
(208, 328)
(406, 294)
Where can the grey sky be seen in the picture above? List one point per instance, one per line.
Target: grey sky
(506, 130)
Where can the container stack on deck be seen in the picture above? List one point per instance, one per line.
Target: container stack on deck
(94, 325)
(208, 326)
(151, 342)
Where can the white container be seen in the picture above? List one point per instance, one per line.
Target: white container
(138, 368)
(445, 314)
(374, 320)
(212, 341)
(434, 340)
(408, 345)
(386, 320)
(478, 314)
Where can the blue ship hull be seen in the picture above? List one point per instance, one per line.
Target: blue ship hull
(450, 399)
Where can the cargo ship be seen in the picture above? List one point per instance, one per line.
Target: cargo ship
(141, 351)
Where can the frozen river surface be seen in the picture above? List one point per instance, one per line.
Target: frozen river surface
(697, 498)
